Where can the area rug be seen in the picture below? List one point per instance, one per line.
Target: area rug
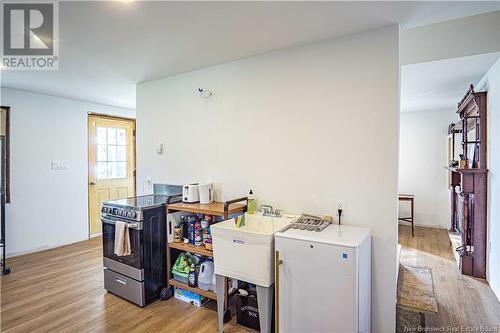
(416, 289)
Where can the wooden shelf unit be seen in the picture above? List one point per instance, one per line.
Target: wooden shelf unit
(215, 208)
(209, 294)
(201, 250)
(220, 209)
(468, 185)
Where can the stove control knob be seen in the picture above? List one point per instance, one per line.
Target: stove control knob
(120, 212)
(129, 213)
(103, 209)
(133, 215)
(110, 210)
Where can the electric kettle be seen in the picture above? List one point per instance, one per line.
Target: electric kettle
(206, 193)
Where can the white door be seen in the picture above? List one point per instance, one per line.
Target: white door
(316, 290)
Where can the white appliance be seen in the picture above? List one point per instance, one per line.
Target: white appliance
(206, 193)
(190, 193)
(323, 280)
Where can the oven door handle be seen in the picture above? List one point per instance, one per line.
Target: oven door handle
(134, 225)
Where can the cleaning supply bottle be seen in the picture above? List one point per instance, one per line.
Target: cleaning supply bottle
(252, 204)
(192, 277)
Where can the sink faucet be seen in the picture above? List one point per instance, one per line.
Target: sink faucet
(268, 210)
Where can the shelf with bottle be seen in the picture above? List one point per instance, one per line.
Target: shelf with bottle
(188, 247)
(178, 284)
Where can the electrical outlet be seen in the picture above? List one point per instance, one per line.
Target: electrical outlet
(341, 205)
(160, 149)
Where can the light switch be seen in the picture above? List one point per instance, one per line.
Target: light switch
(59, 165)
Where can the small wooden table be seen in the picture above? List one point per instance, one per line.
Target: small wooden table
(411, 199)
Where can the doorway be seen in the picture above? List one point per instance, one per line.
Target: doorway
(111, 169)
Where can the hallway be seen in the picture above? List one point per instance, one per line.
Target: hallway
(465, 304)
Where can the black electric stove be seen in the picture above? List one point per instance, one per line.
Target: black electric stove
(140, 276)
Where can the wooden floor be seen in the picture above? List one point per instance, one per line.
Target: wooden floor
(462, 301)
(61, 290)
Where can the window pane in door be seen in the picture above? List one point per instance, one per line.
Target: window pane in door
(111, 153)
(121, 136)
(112, 170)
(121, 169)
(121, 153)
(102, 153)
(111, 136)
(102, 170)
(101, 135)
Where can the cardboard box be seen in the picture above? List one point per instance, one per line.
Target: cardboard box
(190, 297)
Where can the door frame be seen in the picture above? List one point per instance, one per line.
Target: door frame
(7, 153)
(134, 152)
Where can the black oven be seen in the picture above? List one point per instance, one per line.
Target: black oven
(135, 259)
(140, 276)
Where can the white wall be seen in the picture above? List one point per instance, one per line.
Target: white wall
(49, 208)
(423, 155)
(446, 40)
(491, 83)
(303, 127)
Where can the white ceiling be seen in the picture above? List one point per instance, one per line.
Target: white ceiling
(106, 48)
(439, 85)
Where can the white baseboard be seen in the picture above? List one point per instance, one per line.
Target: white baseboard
(99, 234)
(441, 227)
(39, 249)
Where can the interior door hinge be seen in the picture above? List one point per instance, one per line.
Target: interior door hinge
(133, 132)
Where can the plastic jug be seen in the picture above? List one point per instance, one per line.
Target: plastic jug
(205, 275)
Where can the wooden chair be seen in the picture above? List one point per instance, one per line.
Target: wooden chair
(411, 199)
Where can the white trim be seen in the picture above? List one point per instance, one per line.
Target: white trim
(440, 227)
(40, 249)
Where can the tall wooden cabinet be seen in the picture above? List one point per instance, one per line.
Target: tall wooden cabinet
(468, 183)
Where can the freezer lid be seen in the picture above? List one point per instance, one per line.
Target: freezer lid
(343, 235)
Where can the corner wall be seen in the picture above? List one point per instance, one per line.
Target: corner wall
(303, 127)
(491, 83)
(48, 207)
(422, 160)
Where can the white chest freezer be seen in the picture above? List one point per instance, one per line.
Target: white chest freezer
(323, 280)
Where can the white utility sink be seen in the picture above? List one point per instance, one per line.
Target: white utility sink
(247, 253)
